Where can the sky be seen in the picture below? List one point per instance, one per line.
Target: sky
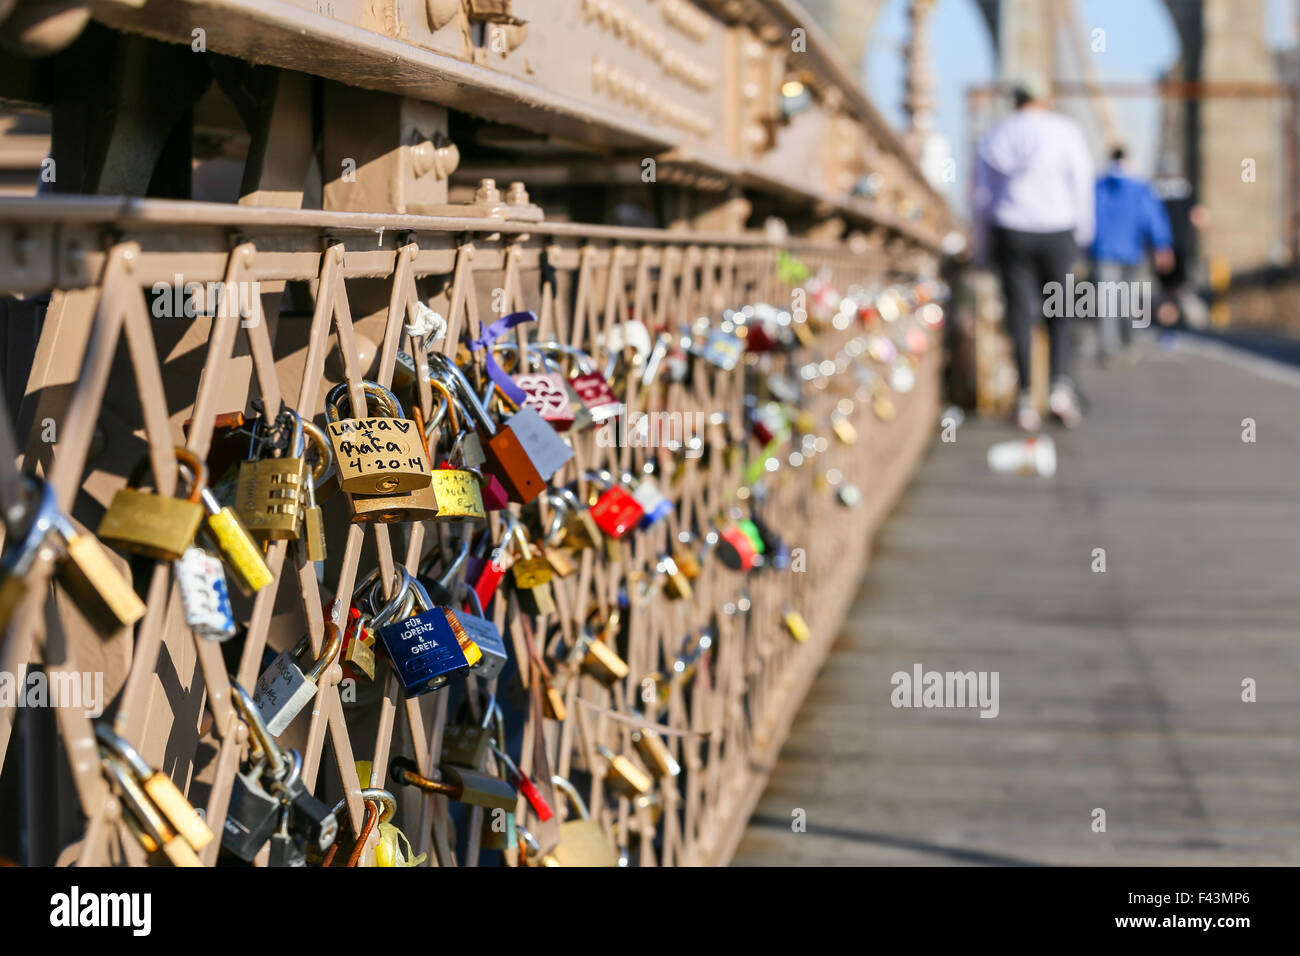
(1140, 43)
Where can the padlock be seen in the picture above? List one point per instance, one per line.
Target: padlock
(284, 689)
(616, 511)
(686, 556)
(485, 636)
(582, 841)
(468, 745)
(325, 468)
(498, 831)
(484, 569)
(734, 547)
(159, 788)
(144, 819)
(521, 782)
(376, 456)
(358, 654)
(795, 624)
(269, 493)
(229, 536)
(253, 813)
(654, 753)
(460, 784)
(623, 775)
(84, 569)
(580, 529)
(523, 452)
(552, 700)
(547, 395)
(467, 454)
(531, 576)
(313, 519)
(287, 848)
(676, 584)
(602, 662)
(424, 648)
(143, 523)
(311, 819)
(204, 598)
(653, 502)
(722, 349)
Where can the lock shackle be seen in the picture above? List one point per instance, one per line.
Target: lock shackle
(122, 748)
(389, 610)
(585, 362)
(257, 730)
(420, 594)
(474, 601)
(456, 564)
(137, 802)
(387, 802)
(446, 410)
(533, 846)
(562, 511)
(292, 773)
(449, 372)
(198, 472)
(601, 477)
(22, 546)
(386, 400)
(329, 650)
(314, 435)
(578, 803)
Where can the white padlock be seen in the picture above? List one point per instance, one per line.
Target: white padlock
(202, 582)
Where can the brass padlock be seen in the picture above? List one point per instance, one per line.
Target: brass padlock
(655, 753)
(142, 817)
(376, 456)
(602, 661)
(532, 578)
(459, 490)
(502, 448)
(141, 522)
(623, 775)
(582, 841)
(178, 811)
(85, 569)
(269, 493)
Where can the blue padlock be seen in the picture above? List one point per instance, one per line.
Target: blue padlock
(423, 647)
(654, 503)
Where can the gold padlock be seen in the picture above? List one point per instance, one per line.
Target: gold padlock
(458, 489)
(269, 494)
(376, 456)
(85, 569)
(141, 522)
(582, 841)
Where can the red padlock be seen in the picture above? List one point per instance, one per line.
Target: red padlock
(547, 394)
(735, 548)
(616, 512)
(519, 780)
(596, 394)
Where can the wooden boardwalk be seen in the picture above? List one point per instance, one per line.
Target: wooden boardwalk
(1119, 690)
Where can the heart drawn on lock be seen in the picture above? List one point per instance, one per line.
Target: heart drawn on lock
(546, 394)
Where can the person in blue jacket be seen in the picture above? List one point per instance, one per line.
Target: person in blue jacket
(1130, 221)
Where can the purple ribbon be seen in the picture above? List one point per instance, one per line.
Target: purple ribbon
(495, 372)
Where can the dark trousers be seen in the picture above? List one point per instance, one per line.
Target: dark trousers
(1027, 262)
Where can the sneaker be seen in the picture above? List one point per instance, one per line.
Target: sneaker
(1027, 417)
(1064, 404)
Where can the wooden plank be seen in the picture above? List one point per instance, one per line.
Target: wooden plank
(1119, 690)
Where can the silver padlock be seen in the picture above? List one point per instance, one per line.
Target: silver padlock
(485, 634)
(204, 597)
(285, 689)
